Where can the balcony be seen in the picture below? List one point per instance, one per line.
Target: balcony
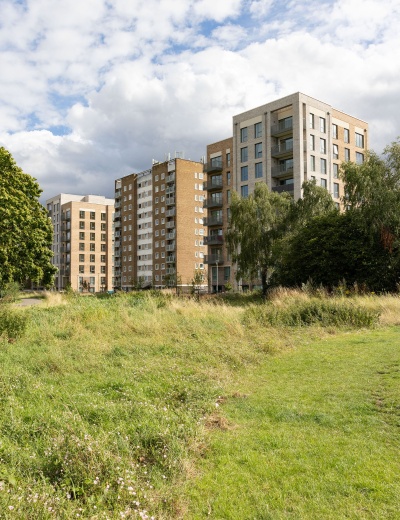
(170, 270)
(284, 127)
(170, 224)
(64, 218)
(117, 243)
(118, 192)
(117, 205)
(66, 226)
(213, 259)
(170, 259)
(169, 201)
(283, 188)
(170, 177)
(282, 150)
(170, 247)
(117, 263)
(65, 249)
(213, 221)
(278, 172)
(213, 166)
(213, 203)
(170, 236)
(170, 212)
(169, 190)
(212, 240)
(214, 183)
(117, 214)
(64, 272)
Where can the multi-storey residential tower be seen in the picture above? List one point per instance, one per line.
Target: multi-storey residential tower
(159, 225)
(293, 139)
(82, 241)
(283, 144)
(218, 188)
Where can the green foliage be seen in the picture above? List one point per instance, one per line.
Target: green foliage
(9, 292)
(25, 229)
(336, 247)
(257, 222)
(12, 323)
(325, 313)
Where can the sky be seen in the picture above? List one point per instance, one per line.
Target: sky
(93, 90)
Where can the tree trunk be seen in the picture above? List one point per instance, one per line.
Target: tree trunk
(264, 282)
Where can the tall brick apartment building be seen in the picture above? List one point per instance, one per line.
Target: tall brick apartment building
(159, 226)
(283, 144)
(82, 241)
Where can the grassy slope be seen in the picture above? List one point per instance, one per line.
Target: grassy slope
(316, 437)
(108, 409)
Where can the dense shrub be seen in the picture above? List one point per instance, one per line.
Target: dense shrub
(313, 312)
(12, 323)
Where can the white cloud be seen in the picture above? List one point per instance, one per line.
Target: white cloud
(134, 80)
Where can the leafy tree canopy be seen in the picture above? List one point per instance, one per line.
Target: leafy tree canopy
(25, 229)
(256, 223)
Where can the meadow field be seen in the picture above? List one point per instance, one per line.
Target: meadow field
(145, 405)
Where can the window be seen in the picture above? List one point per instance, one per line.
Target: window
(323, 166)
(346, 135)
(228, 178)
(312, 142)
(257, 130)
(322, 145)
(92, 225)
(334, 131)
(81, 224)
(81, 269)
(81, 258)
(102, 247)
(81, 214)
(81, 235)
(92, 247)
(335, 151)
(347, 154)
(228, 196)
(103, 227)
(243, 135)
(227, 273)
(103, 237)
(359, 140)
(103, 269)
(312, 120)
(92, 269)
(324, 183)
(359, 158)
(92, 215)
(92, 236)
(322, 125)
(103, 258)
(244, 191)
(244, 154)
(244, 173)
(103, 216)
(335, 171)
(228, 159)
(312, 163)
(335, 190)
(92, 258)
(81, 246)
(258, 170)
(258, 150)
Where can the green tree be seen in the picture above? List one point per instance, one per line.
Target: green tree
(336, 247)
(25, 229)
(373, 193)
(257, 223)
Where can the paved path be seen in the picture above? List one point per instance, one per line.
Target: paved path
(28, 301)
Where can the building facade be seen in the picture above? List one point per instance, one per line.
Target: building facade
(217, 189)
(159, 226)
(83, 239)
(282, 143)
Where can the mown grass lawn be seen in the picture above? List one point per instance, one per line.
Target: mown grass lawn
(313, 433)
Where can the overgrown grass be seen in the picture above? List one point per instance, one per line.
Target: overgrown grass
(107, 404)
